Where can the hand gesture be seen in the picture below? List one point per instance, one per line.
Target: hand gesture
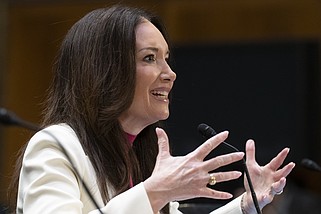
(185, 177)
(267, 180)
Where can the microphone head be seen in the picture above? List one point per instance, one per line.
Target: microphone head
(310, 164)
(205, 130)
(7, 117)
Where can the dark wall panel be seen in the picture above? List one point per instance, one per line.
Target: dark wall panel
(267, 91)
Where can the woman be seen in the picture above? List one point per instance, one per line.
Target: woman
(110, 89)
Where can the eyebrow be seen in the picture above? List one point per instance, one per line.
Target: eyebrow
(152, 49)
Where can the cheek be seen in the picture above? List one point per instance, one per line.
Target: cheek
(146, 77)
(144, 80)
(141, 97)
(141, 88)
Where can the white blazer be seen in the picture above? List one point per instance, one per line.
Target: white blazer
(48, 182)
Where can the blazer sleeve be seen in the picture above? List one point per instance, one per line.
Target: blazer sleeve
(48, 182)
(134, 200)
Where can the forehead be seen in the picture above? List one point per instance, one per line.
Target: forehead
(147, 35)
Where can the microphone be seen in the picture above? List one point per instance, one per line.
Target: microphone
(9, 118)
(208, 132)
(310, 164)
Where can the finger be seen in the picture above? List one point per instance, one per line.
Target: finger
(285, 171)
(163, 145)
(276, 162)
(224, 176)
(250, 151)
(222, 160)
(278, 186)
(214, 194)
(203, 150)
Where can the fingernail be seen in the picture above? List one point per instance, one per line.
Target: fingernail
(251, 142)
(240, 154)
(229, 196)
(225, 132)
(238, 174)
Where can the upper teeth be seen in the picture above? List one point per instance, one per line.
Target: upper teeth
(160, 93)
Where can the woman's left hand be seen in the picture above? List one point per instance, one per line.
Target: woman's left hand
(267, 180)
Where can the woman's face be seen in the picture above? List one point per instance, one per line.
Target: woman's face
(154, 78)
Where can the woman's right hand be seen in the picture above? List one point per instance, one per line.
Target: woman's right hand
(186, 177)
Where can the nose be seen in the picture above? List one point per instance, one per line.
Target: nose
(168, 74)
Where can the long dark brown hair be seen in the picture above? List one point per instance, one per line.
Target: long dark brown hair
(94, 82)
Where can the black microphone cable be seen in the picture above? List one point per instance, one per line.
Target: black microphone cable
(9, 118)
(208, 132)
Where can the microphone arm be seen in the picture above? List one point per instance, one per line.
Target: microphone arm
(208, 132)
(310, 164)
(9, 118)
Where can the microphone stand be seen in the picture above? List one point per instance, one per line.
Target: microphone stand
(208, 132)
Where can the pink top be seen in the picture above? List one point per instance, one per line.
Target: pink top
(131, 139)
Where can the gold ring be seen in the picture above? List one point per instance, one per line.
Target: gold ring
(212, 180)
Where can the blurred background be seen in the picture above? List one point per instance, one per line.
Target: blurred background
(250, 67)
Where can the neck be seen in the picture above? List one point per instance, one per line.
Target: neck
(132, 125)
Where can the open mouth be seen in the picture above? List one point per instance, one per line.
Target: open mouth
(160, 95)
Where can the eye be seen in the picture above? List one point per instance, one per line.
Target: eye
(150, 58)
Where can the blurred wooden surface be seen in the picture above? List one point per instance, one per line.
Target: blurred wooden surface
(36, 28)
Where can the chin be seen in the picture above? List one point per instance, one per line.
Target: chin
(164, 116)
(160, 114)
